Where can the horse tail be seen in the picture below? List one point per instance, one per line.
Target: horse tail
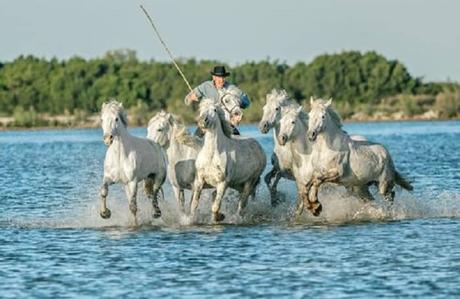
(403, 182)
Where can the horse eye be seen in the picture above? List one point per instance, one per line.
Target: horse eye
(215, 110)
(324, 116)
(226, 100)
(116, 119)
(293, 122)
(277, 108)
(159, 130)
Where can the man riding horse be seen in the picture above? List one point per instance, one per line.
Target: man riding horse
(216, 89)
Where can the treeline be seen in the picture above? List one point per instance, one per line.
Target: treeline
(365, 84)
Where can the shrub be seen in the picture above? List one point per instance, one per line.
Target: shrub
(448, 103)
(25, 118)
(139, 114)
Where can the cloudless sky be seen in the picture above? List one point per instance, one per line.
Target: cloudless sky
(423, 34)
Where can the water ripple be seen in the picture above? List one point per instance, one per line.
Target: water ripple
(54, 244)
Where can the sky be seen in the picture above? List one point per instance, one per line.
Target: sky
(423, 34)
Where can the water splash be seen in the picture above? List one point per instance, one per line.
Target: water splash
(338, 208)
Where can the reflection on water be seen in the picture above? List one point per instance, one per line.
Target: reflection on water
(53, 242)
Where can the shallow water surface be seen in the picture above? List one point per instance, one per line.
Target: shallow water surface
(53, 242)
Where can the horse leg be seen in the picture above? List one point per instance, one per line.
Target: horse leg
(131, 193)
(220, 190)
(300, 200)
(196, 192)
(152, 194)
(104, 211)
(179, 194)
(156, 192)
(363, 193)
(268, 177)
(386, 190)
(331, 176)
(304, 195)
(247, 190)
(182, 199)
(274, 194)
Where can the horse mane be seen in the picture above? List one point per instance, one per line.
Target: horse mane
(226, 127)
(279, 96)
(179, 131)
(233, 90)
(335, 116)
(116, 107)
(161, 114)
(182, 136)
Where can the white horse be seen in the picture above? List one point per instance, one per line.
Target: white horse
(281, 158)
(229, 101)
(225, 160)
(129, 160)
(181, 149)
(291, 135)
(339, 159)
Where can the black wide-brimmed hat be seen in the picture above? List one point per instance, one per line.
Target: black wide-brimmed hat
(219, 71)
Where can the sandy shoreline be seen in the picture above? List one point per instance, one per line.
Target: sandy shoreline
(347, 121)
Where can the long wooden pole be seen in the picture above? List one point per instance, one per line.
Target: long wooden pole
(166, 47)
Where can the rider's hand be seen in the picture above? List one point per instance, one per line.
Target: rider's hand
(235, 119)
(192, 97)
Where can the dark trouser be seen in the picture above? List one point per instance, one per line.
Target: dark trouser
(235, 130)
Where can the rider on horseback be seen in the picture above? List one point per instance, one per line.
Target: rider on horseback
(216, 89)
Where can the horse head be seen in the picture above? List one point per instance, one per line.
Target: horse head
(230, 102)
(211, 116)
(321, 116)
(275, 100)
(160, 128)
(289, 124)
(113, 120)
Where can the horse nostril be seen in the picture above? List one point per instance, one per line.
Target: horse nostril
(283, 139)
(108, 139)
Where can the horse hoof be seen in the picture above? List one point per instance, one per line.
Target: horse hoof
(218, 217)
(298, 213)
(105, 214)
(157, 214)
(317, 209)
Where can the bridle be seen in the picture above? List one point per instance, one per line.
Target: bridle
(221, 100)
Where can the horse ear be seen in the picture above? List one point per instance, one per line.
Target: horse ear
(103, 105)
(299, 109)
(312, 100)
(329, 102)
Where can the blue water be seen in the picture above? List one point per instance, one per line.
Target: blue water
(54, 244)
